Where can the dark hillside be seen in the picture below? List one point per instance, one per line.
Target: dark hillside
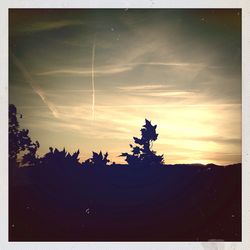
(122, 203)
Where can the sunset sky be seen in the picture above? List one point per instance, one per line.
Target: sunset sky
(86, 79)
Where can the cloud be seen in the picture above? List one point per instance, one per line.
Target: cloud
(157, 90)
(174, 64)
(212, 138)
(112, 69)
(106, 70)
(49, 25)
(181, 94)
(141, 87)
(35, 86)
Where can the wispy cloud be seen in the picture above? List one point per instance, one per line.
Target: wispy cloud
(174, 64)
(106, 70)
(118, 68)
(35, 86)
(212, 138)
(158, 90)
(141, 87)
(181, 94)
(49, 25)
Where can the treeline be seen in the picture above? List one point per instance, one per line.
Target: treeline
(23, 151)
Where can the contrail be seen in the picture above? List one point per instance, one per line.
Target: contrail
(34, 86)
(93, 80)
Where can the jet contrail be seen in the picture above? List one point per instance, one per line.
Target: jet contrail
(93, 80)
(34, 86)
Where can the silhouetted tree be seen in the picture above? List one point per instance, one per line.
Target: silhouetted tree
(143, 154)
(19, 141)
(97, 160)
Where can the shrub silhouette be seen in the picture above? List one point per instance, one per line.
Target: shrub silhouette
(97, 160)
(143, 154)
(20, 142)
(55, 157)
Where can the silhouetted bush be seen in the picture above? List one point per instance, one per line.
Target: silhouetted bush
(97, 160)
(56, 157)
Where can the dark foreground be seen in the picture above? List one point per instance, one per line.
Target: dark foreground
(121, 203)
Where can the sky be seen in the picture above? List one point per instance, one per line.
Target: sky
(87, 79)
